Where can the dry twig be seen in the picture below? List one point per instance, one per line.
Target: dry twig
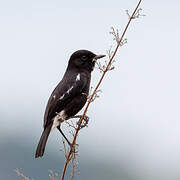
(52, 175)
(120, 42)
(22, 175)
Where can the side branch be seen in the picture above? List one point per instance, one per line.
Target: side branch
(96, 88)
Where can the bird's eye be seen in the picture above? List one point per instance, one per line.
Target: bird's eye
(84, 58)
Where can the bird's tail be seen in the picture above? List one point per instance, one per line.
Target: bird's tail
(42, 142)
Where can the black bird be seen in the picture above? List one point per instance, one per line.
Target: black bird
(69, 96)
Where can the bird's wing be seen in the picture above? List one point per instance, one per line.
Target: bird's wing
(62, 95)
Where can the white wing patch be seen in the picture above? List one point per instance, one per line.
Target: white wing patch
(58, 119)
(68, 91)
(61, 97)
(78, 77)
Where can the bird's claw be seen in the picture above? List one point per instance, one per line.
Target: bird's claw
(84, 122)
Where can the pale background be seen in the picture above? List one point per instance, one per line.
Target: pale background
(134, 128)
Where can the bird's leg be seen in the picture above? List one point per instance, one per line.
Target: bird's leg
(73, 148)
(86, 120)
(58, 127)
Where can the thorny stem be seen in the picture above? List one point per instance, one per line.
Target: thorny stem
(96, 88)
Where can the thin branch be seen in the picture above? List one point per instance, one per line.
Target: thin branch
(97, 87)
(22, 175)
(52, 175)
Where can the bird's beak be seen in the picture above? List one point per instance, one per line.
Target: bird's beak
(98, 57)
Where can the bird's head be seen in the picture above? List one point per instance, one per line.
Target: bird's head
(83, 59)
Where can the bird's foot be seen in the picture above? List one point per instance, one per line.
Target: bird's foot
(84, 122)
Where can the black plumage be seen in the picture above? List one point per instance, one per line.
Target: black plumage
(70, 95)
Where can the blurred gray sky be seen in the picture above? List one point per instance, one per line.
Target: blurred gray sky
(137, 116)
